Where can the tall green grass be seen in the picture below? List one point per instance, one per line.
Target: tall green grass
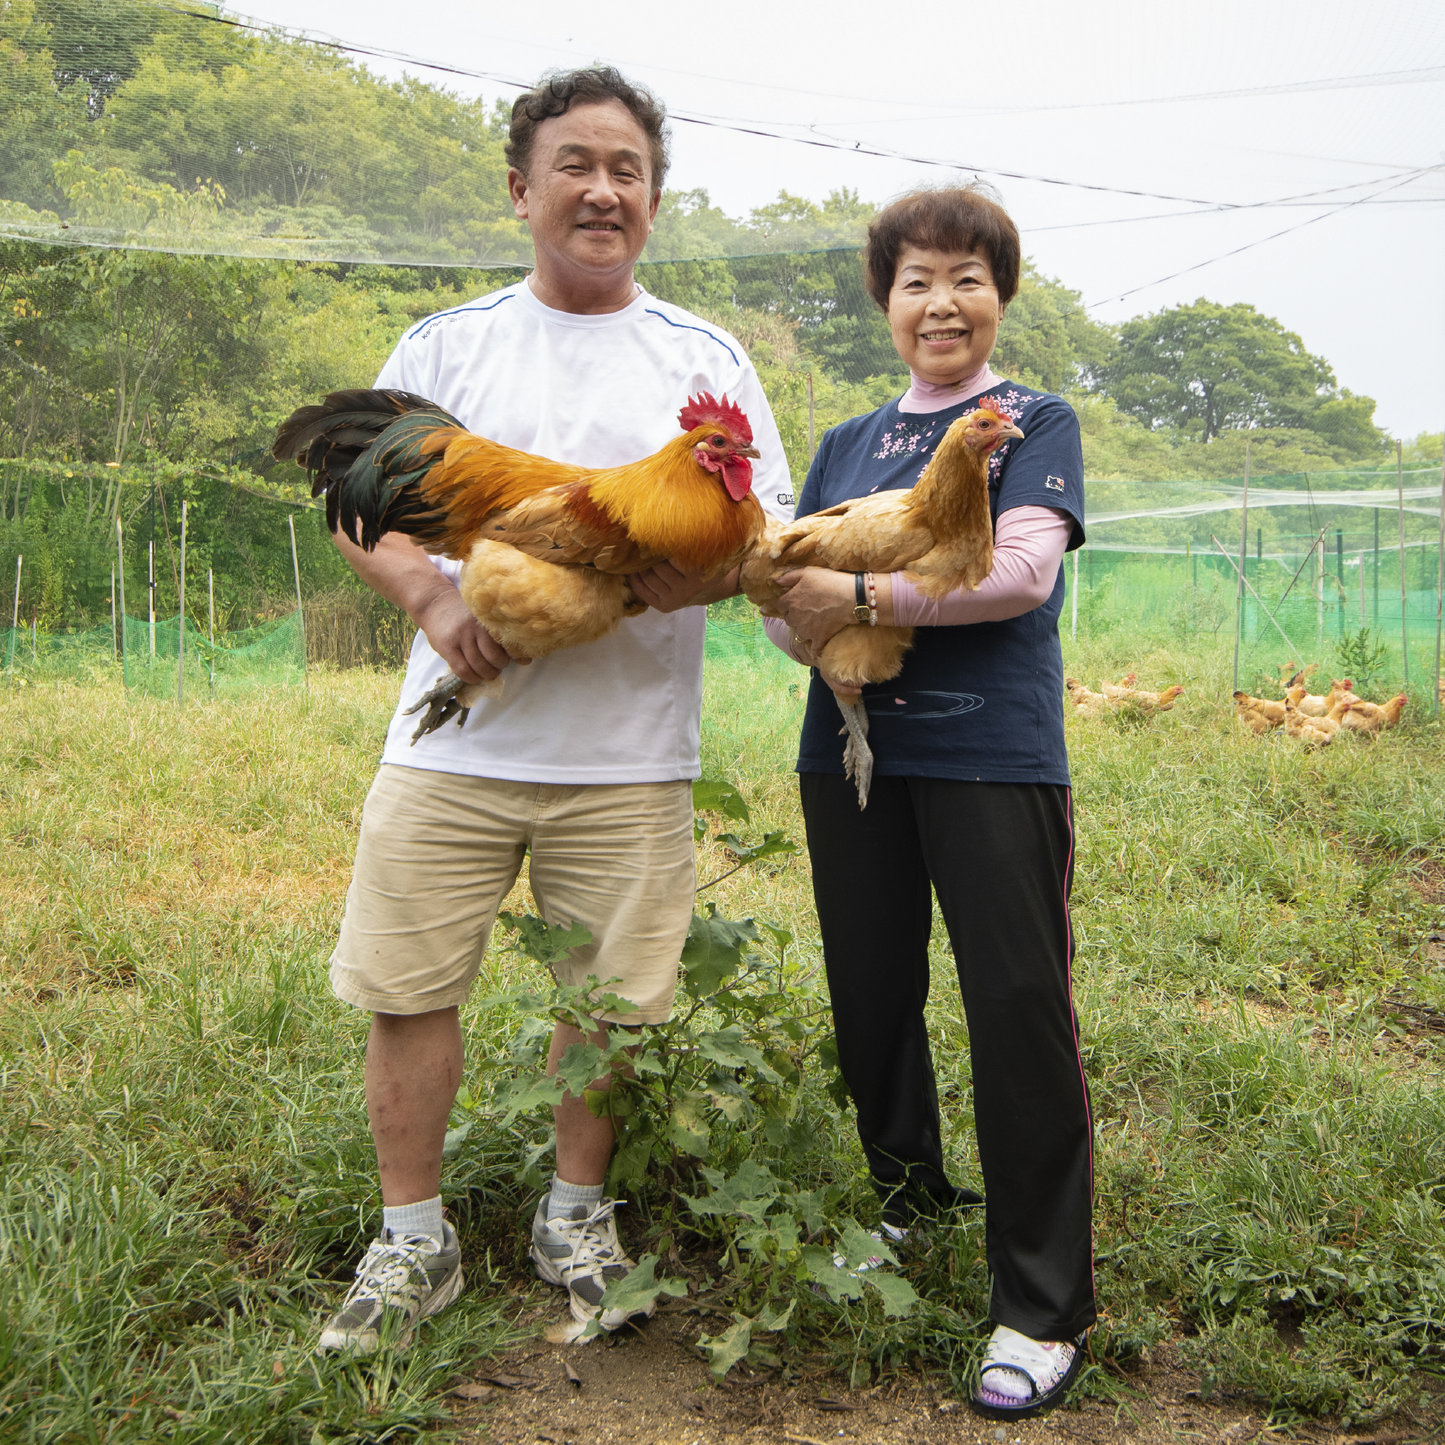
(187, 1175)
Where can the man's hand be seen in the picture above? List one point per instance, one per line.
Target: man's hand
(668, 588)
(469, 649)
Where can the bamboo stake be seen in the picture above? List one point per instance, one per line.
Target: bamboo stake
(1362, 591)
(812, 449)
(120, 572)
(1294, 651)
(1404, 600)
(1440, 588)
(151, 562)
(1243, 550)
(300, 610)
(181, 630)
(114, 641)
(211, 622)
(14, 614)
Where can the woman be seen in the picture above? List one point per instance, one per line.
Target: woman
(970, 794)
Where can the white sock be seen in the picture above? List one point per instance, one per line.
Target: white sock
(423, 1218)
(566, 1197)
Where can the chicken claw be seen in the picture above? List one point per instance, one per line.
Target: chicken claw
(450, 697)
(857, 755)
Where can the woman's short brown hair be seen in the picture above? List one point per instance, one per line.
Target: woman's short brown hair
(557, 92)
(960, 218)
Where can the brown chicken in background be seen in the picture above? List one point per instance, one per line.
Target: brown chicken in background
(1120, 697)
(1312, 731)
(939, 533)
(1358, 716)
(1258, 714)
(547, 546)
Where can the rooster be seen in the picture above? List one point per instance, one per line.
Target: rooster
(939, 533)
(547, 546)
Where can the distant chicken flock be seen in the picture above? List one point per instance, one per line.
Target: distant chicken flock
(1315, 720)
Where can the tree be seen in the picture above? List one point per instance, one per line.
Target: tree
(1202, 369)
(1047, 338)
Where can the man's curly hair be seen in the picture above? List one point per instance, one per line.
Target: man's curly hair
(559, 90)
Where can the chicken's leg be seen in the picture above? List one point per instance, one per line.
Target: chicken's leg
(450, 698)
(857, 755)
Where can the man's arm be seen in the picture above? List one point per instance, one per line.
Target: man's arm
(400, 572)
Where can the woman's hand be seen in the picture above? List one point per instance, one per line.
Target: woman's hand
(818, 604)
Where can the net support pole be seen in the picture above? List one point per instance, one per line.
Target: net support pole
(211, 622)
(120, 572)
(1243, 553)
(114, 640)
(151, 564)
(1375, 605)
(1294, 651)
(300, 610)
(1074, 619)
(1340, 579)
(15, 613)
(812, 449)
(1440, 592)
(1404, 623)
(181, 630)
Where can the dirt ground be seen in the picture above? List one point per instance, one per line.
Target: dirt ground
(651, 1385)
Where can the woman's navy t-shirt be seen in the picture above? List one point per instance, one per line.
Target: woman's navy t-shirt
(983, 701)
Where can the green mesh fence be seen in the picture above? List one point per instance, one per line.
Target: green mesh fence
(270, 655)
(149, 660)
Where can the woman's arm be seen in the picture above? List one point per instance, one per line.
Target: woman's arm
(1029, 544)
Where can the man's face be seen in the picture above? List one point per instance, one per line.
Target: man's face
(588, 199)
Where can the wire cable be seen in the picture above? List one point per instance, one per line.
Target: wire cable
(1250, 245)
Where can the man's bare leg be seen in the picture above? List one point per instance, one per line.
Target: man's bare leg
(584, 1141)
(413, 1071)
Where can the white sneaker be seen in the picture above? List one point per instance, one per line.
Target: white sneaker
(581, 1253)
(885, 1234)
(405, 1276)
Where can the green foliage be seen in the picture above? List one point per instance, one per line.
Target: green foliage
(1363, 659)
(1047, 339)
(1203, 369)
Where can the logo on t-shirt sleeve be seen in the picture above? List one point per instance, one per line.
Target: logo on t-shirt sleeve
(1054, 484)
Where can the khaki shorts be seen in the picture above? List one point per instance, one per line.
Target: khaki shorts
(439, 852)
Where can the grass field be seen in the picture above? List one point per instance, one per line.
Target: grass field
(187, 1172)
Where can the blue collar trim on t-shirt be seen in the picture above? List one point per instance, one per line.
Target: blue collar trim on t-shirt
(457, 310)
(683, 326)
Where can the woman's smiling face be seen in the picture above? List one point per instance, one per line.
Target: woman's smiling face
(944, 312)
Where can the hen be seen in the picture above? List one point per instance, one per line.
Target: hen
(546, 546)
(1258, 714)
(939, 533)
(1358, 716)
(1313, 730)
(1121, 697)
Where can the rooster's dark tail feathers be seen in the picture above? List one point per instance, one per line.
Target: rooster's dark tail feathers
(366, 450)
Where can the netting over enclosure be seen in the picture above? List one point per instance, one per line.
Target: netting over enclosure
(203, 226)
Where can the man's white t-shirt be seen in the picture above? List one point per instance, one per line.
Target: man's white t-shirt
(597, 391)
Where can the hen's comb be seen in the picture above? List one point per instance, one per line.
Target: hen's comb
(703, 408)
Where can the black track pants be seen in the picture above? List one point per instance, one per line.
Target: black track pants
(1000, 856)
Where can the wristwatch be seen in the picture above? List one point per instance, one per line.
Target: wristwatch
(860, 597)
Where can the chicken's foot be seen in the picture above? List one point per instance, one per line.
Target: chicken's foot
(450, 697)
(857, 755)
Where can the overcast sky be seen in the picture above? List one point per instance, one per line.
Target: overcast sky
(1121, 95)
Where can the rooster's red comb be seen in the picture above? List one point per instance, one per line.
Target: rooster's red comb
(703, 408)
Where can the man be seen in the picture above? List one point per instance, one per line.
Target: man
(586, 757)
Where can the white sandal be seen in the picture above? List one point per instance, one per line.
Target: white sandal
(1021, 1377)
